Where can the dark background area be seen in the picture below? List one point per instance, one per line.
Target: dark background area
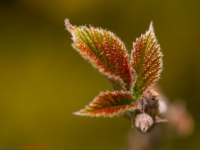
(43, 80)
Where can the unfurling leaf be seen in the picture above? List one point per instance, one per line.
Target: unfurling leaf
(109, 104)
(130, 75)
(105, 51)
(146, 60)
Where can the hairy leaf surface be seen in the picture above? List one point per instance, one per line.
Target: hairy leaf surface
(146, 60)
(109, 104)
(105, 51)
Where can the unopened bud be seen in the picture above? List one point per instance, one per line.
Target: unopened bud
(153, 95)
(143, 121)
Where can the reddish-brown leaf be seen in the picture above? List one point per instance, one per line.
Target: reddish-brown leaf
(146, 60)
(105, 51)
(109, 104)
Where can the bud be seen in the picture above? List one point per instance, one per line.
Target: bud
(143, 121)
(153, 95)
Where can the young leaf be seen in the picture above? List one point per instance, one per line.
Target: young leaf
(146, 61)
(109, 104)
(104, 51)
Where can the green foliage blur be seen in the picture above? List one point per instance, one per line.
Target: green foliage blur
(43, 80)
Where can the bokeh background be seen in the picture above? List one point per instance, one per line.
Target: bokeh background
(43, 80)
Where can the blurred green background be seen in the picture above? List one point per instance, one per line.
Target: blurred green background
(43, 80)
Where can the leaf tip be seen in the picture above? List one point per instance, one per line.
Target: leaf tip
(68, 25)
(151, 27)
(77, 113)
